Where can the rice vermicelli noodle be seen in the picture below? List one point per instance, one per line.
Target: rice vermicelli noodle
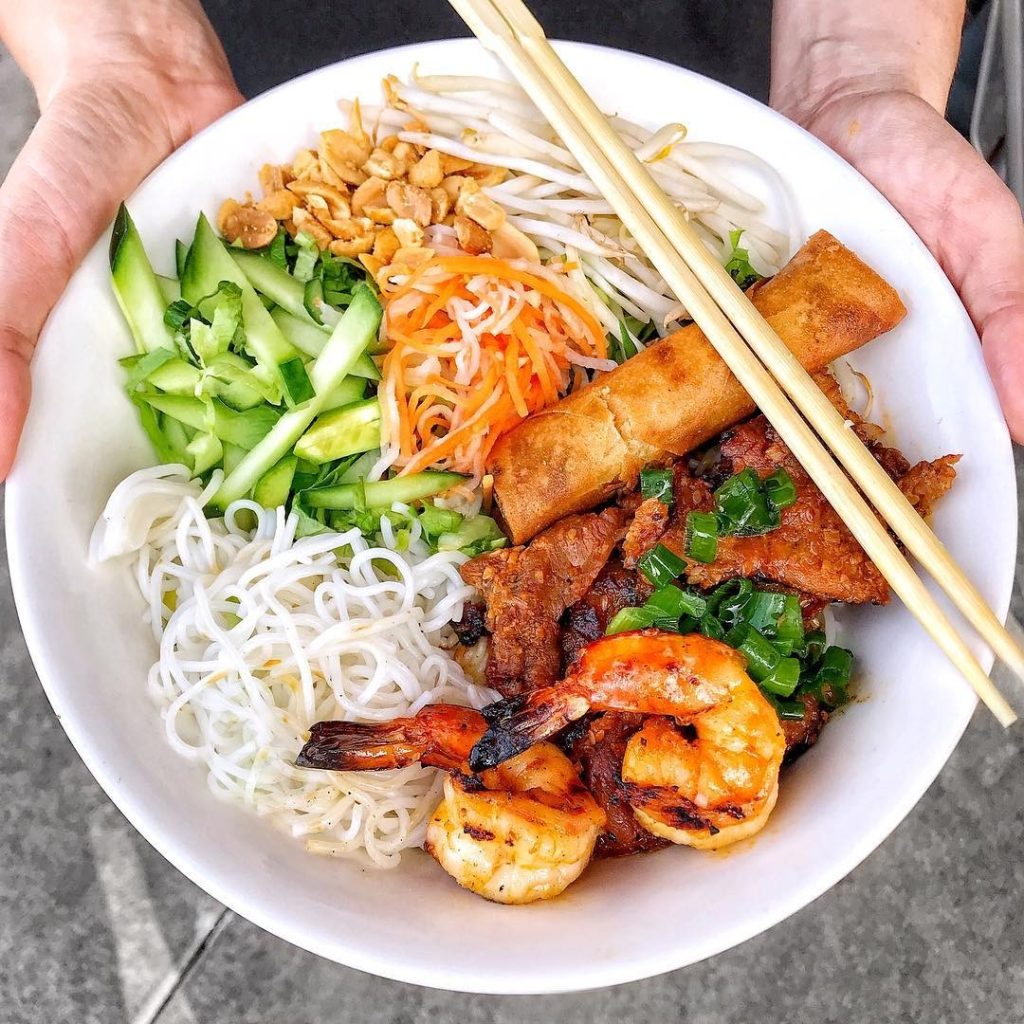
(261, 634)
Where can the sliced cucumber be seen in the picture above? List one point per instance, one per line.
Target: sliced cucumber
(308, 337)
(137, 287)
(176, 377)
(383, 493)
(180, 256)
(313, 299)
(359, 469)
(233, 455)
(349, 339)
(207, 264)
(275, 485)
(305, 335)
(169, 289)
(350, 390)
(347, 431)
(206, 451)
(245, 429)
(475, 532)
(274, 282)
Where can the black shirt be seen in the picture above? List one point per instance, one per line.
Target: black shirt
(270, 41)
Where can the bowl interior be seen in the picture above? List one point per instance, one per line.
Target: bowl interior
(623, 920)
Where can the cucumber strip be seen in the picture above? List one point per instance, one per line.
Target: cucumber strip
(169, 288)
(233, 455)
(206, 451)
(176, 436)
(307, 337)
(347, 431)
(382, 493)
(477, 531)
(350, 390)
(180, 255)
(208, 263)
(136, 286)
(359, 468)
(274, 282)
(176, 377)
(313, 299)
(245, 429)
(273, 488)
(354, 331)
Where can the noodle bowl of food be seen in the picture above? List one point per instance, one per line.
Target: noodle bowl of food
(405, 544)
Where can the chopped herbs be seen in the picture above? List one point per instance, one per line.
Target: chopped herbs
(738, 264)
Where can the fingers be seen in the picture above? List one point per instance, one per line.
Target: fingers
(1003, 345)
(961, 210)
(90, 149)
(15, 387)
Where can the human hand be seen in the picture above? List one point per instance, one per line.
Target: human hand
(957, 205)
(121, 84)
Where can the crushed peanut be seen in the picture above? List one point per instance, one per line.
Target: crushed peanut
(372, 198)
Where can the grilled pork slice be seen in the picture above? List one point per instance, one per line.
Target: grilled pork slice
(527, 590)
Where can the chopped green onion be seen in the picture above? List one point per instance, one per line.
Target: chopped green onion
(780, 489)
(814, 645)
(630, 618)
(661, 566)
(727, 601)
(761, 656)
(835, 668)
(743, 506)
(673, 603)
(657, 483)
(763, 609)
(789, 627)
(711, 627)
(793, 710)
(701, 536)
(688, 624)
(783, 679)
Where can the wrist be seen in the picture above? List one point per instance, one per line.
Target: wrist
(826, 53)
(158, 60)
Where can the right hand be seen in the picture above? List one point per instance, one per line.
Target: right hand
(121, 84)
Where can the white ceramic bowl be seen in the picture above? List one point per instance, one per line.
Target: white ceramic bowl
(623, 920)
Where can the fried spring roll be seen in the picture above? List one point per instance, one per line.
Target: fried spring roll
(678, 393)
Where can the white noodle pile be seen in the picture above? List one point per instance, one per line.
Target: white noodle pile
(261, 635)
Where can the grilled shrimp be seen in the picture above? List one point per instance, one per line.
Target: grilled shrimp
(521, 832)
(704, 772)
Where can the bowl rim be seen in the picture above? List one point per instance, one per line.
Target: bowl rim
(349, 953)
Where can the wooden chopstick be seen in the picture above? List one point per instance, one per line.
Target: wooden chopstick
(507, 28)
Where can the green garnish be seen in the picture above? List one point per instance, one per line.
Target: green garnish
(738, 264)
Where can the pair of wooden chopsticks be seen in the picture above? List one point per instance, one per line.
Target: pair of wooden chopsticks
(751, 349)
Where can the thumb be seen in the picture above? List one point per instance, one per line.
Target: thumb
(1003, 345)
(60, 194)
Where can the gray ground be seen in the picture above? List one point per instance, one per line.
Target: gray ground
(96, 927)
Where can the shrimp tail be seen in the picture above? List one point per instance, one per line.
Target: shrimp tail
(518, 722)
(358, 746)
(439, 736)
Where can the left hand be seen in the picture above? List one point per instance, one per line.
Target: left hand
(957, 205)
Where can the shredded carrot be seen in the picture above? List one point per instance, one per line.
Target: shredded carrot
(477, 344)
